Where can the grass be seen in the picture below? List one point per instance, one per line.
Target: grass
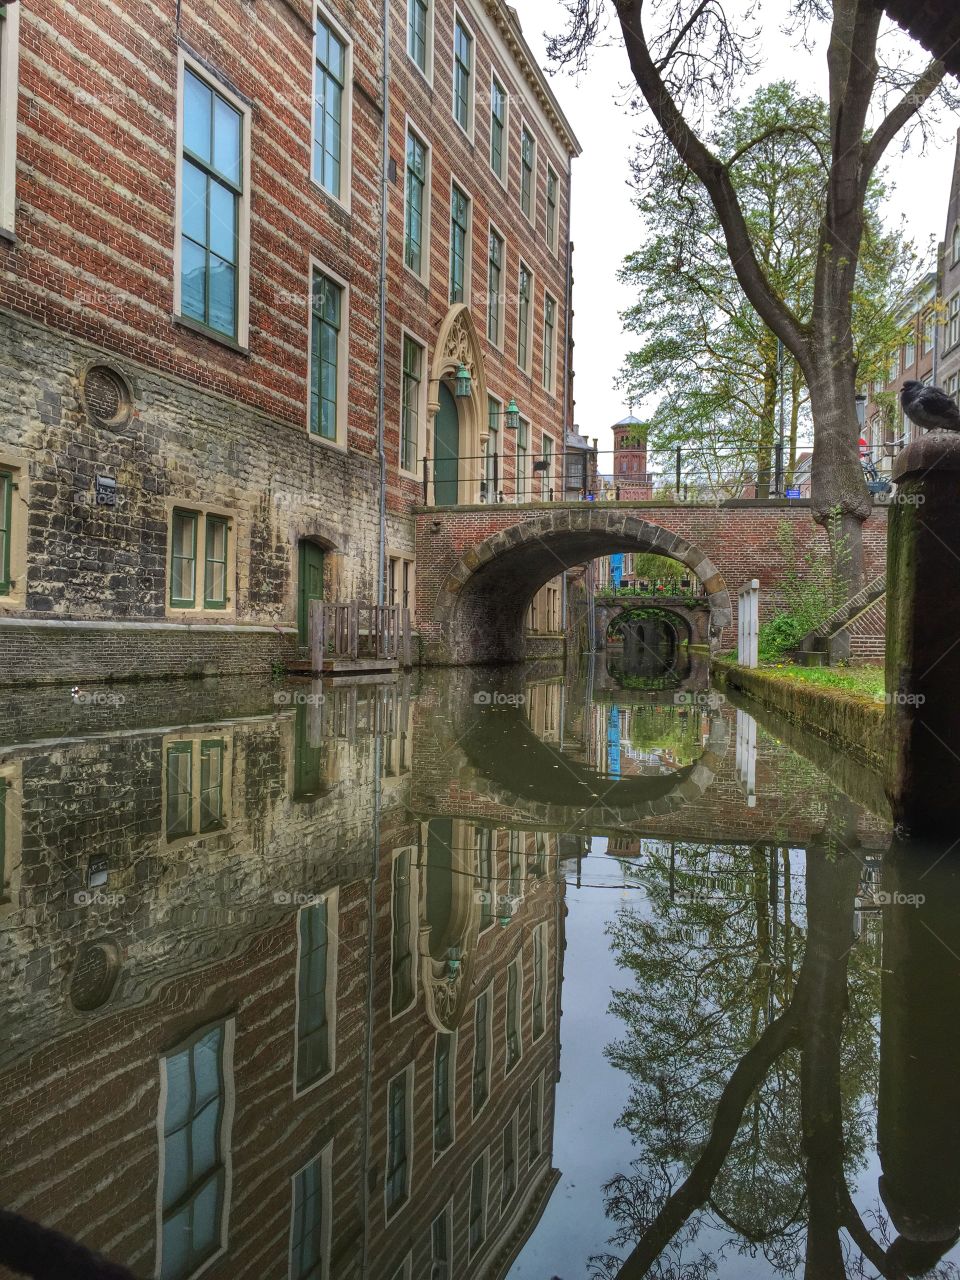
(866, 681)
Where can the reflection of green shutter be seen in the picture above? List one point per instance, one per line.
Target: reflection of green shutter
(179, 789)
(307, 760)
(211, 784)
(4, 787)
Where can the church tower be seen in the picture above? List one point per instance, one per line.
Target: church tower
(630, 473)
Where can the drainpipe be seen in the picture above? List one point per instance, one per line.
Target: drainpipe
(381, 381)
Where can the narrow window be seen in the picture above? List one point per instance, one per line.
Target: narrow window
(546, 474)
(513, 1014)
(210, 209)
(328, 104)
(523, 460)
(481, 1050)
(549, 340)
(183, 576)
(534, 1139)
(215, 564)
(552, 209)
(326, 308)
(9, 93)
(442, 1088)
(462, 71)
(498, 124)
(494, 275)
(316, 976)
(212, 753)
(478, 1203)
(483, 855)
(397, 1141)
(179, 768)
(441, 1245)
(416, 184)
(539, 980)
(523, 318)
(412, 376)
(459, 232)
(493, 469)
(196, 786)
(956, 245)
(527, 163)
(402, 939)
(509, 1183)
(6, 530)
(194, 1176)
(310, 1223)
(417, 33)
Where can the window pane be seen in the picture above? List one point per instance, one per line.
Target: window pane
(193, 291)
(226, 140)
(197, 106)
(223, 222)
(223, 296)
(194, 202)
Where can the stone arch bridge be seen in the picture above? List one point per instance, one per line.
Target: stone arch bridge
(479, 566)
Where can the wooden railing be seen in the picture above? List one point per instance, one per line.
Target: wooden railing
(358, 630)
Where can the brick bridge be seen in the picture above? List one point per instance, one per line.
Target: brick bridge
(478, 567)
(694, 620)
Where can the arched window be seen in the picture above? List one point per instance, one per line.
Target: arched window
(955, 256)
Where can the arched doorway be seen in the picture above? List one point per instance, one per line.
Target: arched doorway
(446, 449)
(309, 584)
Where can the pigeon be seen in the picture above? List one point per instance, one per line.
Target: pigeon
(929, 407)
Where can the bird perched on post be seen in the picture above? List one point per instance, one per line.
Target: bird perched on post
(929, 407)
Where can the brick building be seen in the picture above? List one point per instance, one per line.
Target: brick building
(630, 475)
(948, 364)
(240, 271)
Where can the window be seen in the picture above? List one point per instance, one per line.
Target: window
(417, 33)
(523, 318)
(462, 75)
(478, 1202)
(330, 108)
(399, 1143)
(212, 208)
(546, 473)
(189, 532)
(535, 1130)
(498, 126)
(508, 1183)
(412, 403)
(894, 366)
(549, 341)
(494, 278)
(955, 246)
(483, 859)
(539, 980)
(414, 224)
(493, 460)
(442, 1092)
(513, 1014)
(402, 940)
(928, 328)
(482, 1024)
(441, 1245)
(316, 991)
(523, 461)
(459, 243)
(6, 531)
(553, 208)
(326, 311)
(909, 354)
(9, 95)
(400, 582)
(953, 321)
(194, 1152)
(196, 786)
(528, 153)
(310, 1224)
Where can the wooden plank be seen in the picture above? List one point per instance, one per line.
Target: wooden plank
(315, 633)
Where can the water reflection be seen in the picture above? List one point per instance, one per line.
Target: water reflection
(282, 976)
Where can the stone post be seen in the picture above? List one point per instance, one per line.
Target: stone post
(748, 623)
(923, 638)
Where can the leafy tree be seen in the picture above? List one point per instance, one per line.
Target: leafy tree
(703, 347)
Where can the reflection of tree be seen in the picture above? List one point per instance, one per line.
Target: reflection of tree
(747, 1077)
(668, 729)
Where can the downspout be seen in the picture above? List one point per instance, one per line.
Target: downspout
(381, 380)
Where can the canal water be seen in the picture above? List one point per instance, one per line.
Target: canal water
(530, 973)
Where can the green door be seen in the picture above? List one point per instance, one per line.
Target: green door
(446, 450)
(311, 585)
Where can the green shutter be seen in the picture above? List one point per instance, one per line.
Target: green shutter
(183, 560)
(6, 529)
(215, 563)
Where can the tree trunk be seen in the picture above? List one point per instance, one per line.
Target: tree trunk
(768, 423)
(840, 499)
(796, 391)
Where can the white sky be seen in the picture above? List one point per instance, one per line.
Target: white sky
(606, 225)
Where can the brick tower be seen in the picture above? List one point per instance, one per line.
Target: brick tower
(630, 473)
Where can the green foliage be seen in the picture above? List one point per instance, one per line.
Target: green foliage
(809, 586)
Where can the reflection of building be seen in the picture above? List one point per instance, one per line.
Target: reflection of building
(185, 978)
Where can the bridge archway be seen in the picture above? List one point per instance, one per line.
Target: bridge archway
(480, 607)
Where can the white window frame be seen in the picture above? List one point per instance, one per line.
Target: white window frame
(410, 126)
(425, 73)
(502, 305)
(513, 1124)
(9, 103)
(504, 177)
(186, 62)
(483, 1157)
(522, 266)
(541, 931)
(421, 407)
(343, 357)
(517, 963)
(532, 216)
(452, 1086)
(344, 199)
(468, 246)
(332, 900)
(325, 1157)
(555, 247)
(551, 390)
(226, 1143)
(447, 1214)
(488, 989)
(413, 891)
(459, 18)
(390, 1215)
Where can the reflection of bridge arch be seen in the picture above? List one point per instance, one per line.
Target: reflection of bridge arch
(480, 608)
